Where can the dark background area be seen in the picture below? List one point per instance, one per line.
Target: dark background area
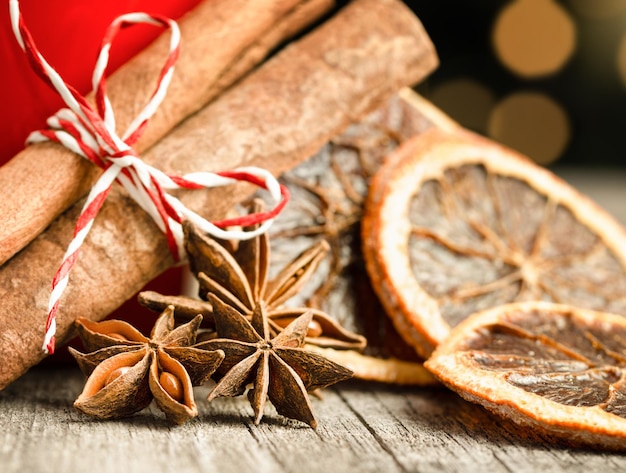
(588, 87)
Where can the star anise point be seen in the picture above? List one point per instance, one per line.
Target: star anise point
(127, 370)
(280, 369)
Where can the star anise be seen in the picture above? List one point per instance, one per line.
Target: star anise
(278, 367)
(239, 278)
(126, 370)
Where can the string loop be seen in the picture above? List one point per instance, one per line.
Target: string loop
(91, 133)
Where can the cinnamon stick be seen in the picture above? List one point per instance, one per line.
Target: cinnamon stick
(275, 118)
(222, 41)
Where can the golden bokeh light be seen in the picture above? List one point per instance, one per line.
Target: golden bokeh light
(466, 100)
(531, 123)
(534, 38)
(598, 9)
(621, 60)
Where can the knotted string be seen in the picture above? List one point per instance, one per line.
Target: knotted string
(91, 134)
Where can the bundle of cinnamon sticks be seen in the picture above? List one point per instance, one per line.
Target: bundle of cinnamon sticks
(228, 105)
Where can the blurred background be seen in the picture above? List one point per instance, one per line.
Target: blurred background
(545, 77)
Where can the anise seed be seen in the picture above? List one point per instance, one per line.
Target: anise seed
(314, 329)
(113, 375)
(117, 336)
(172, 385)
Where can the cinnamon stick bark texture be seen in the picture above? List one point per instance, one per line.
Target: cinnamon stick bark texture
(222, 41)
(277, 117)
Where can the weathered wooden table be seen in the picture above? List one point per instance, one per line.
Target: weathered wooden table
(362, 426)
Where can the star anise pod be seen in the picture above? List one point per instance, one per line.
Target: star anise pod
(278, 367)
(126, 370)
(239, 278)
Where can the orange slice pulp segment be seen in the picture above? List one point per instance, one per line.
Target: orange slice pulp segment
(456, 224)
(557, 369)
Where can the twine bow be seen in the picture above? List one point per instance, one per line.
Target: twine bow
(92, 134)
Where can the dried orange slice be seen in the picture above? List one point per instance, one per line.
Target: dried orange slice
(557, 369)
(328, 194)
(455, 223)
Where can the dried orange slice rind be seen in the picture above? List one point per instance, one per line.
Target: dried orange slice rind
(554, 368)
(381, 370)
(455, 224)
(328, 193)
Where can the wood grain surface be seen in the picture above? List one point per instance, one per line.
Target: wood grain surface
(363, 427)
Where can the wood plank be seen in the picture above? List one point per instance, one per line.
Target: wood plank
(363, 426)
(44, 433)
(433, 430)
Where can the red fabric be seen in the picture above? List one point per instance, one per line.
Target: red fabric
(68, 34)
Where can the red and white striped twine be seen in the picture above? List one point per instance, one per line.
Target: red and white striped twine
(91, 134)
